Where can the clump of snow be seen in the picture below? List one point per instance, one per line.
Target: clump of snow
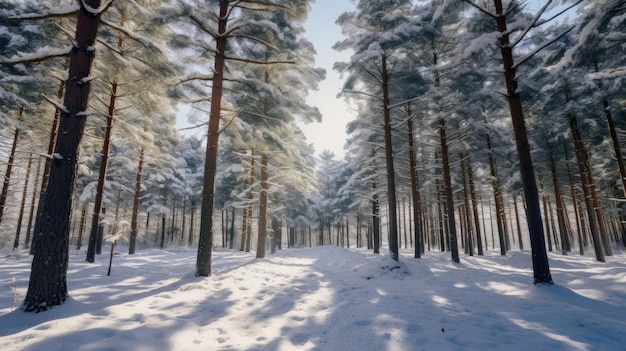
(325, 298)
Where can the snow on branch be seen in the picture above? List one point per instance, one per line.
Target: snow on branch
(42, 54)
(481, 9)
(609, 73)
(140, 39)
(57, 11)
(532, 23)
(96, 11)
(541, 47)
(57, 104)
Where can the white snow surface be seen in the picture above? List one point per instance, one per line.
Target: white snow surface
(325, 298)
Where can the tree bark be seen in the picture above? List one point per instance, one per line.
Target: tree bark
(104, 162)
(541, 267)
(454, 249)
(32, 206)
(135, 213)
(479, 241)
(560, 210)
(205, 240)
(584, 175)
(262, 234)
(48, 279)
(391, 177)
(8, 171)
(415, 195)
(20, 216)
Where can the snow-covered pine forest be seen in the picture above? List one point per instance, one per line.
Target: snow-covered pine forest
(483, 128)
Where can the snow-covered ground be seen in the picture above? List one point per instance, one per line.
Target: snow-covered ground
(326, 299)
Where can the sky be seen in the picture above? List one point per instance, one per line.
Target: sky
(322, 31)
(321, 299)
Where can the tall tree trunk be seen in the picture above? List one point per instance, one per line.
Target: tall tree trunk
(415, 195)
(104, 162)
(32, 205)
(192, 221)
(7, 173)
(584, 175)
(541, 267)
(391, 177)
(48, 278)
(135, 213)
(262, 233)
(479, 241)
(519, 226)
(232, 229)
(205, 240)
(48, 162)
(448, 189)
(375, 220)
(20, 217)
(560, 210)
(468, 217)
(496, 199)
(81, 226)
(620, 163)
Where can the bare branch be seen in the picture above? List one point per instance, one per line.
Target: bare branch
(532, 24)
(541, 47)
(257, 62)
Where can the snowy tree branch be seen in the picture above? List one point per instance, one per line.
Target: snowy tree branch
(541, 47)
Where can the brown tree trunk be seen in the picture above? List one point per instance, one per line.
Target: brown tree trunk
(48, 279)
(7, 173)
(466, 200)
(496, 199)
(104, 161)
(135, 213)
(20, 217)
(479, 241)
(375, 220)
(205, 239)
(415, 195)
(560, 210)
(454, 249)
(391, 177)
(584, 175)
(519, 226)
(81, 226)
(48, 162)
(32, 205)
(541, 267)
(262, 233)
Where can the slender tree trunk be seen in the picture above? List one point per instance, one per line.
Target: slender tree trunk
(232, 229)
(262, 234)
(104, 162)
(162, 244)
(20, 217)
(496, 199)
(205, 240)
(135, 213)
(468, 216)
(560, 210)
(547, 222)
(7, 173)
(479, 241)
(48, 278)
(32, 206)
(448, 189)
(620, 163)
(415, 195)
(541, 267)
(81, 226)
(192, 221)
(391, 177)
(375, 220)
(519, 226)
(584, 175)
